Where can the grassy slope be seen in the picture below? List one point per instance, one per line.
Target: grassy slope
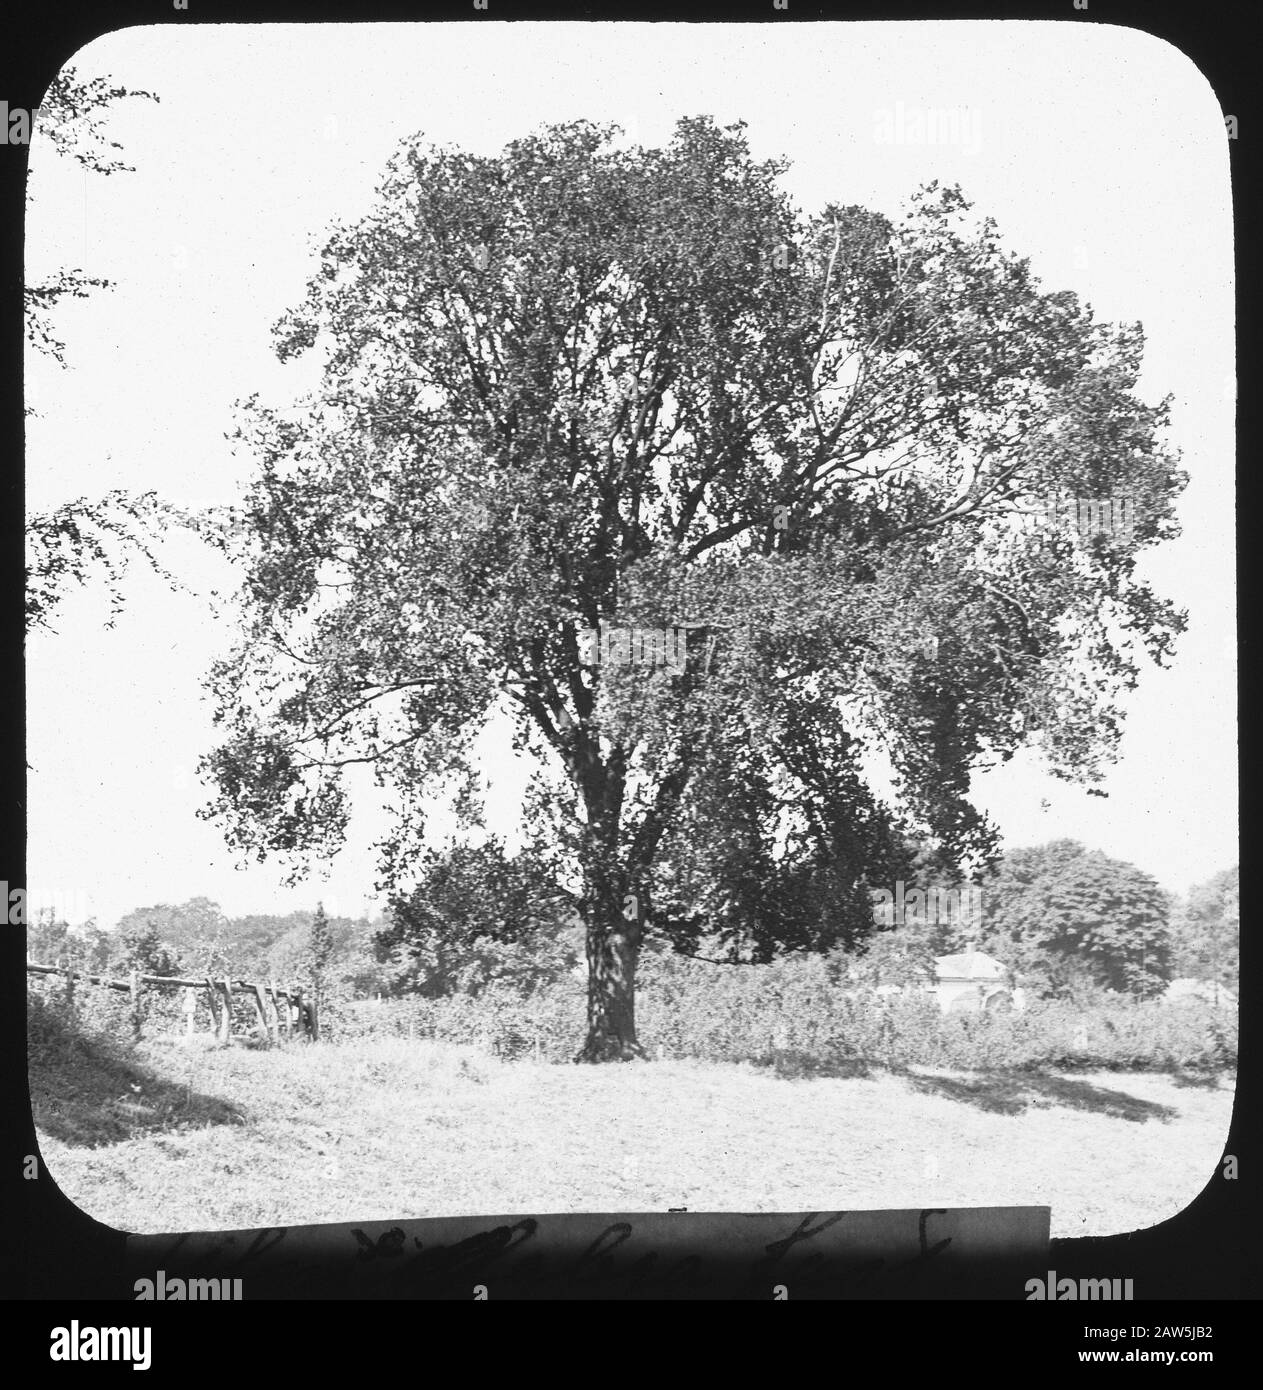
(167, 1138)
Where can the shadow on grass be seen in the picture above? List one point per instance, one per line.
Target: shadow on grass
(1013, 1093)
(1200, 1080)
(89, 1093)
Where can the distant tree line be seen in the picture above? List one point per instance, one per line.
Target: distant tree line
(196, 938)
(1063, 918)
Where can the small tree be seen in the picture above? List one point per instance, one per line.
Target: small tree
(49, 939)
(195, 931)
(320, 952)
(476, 915)
(1206, 930)
(143, 949)
(903, 956)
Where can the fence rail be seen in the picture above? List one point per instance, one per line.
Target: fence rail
(298, 1016)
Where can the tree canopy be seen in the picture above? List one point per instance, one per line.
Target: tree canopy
(476, 914)
(1062, 916)
(1207, 930)
(575, 394)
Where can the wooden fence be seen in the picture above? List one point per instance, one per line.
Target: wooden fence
(299, 1016)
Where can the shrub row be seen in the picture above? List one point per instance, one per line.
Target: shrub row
(753, 1014)
(499, 1020)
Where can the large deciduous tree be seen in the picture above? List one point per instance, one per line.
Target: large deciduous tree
(1063, 917)
(578, 384)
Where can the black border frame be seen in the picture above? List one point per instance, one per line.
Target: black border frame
(53, 1251)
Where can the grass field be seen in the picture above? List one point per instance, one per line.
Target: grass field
(168, 1138)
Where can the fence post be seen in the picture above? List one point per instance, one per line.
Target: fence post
(225, 986)
(213, 1004)
(304, 1013)
(190, 1011)
(261, 1009)
(134, 989)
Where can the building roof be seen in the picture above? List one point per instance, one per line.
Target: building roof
(1206, 990)
(969, 965)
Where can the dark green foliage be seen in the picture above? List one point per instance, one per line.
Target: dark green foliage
(573, 383)
(197, 931)
(476, 916)
(794, 1008)
(321, 942)
(70, 544)
(50, 941)
(1068, 919)
(320, 947)
(902, 957)
(141, 948)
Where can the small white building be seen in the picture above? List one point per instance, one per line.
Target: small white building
(1201, 991)
(971, 982)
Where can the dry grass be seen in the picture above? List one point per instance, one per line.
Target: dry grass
(167, 1138)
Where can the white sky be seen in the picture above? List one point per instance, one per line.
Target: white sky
(1100, 152)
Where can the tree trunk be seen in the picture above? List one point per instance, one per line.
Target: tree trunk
(614, 922)
(613, 944)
